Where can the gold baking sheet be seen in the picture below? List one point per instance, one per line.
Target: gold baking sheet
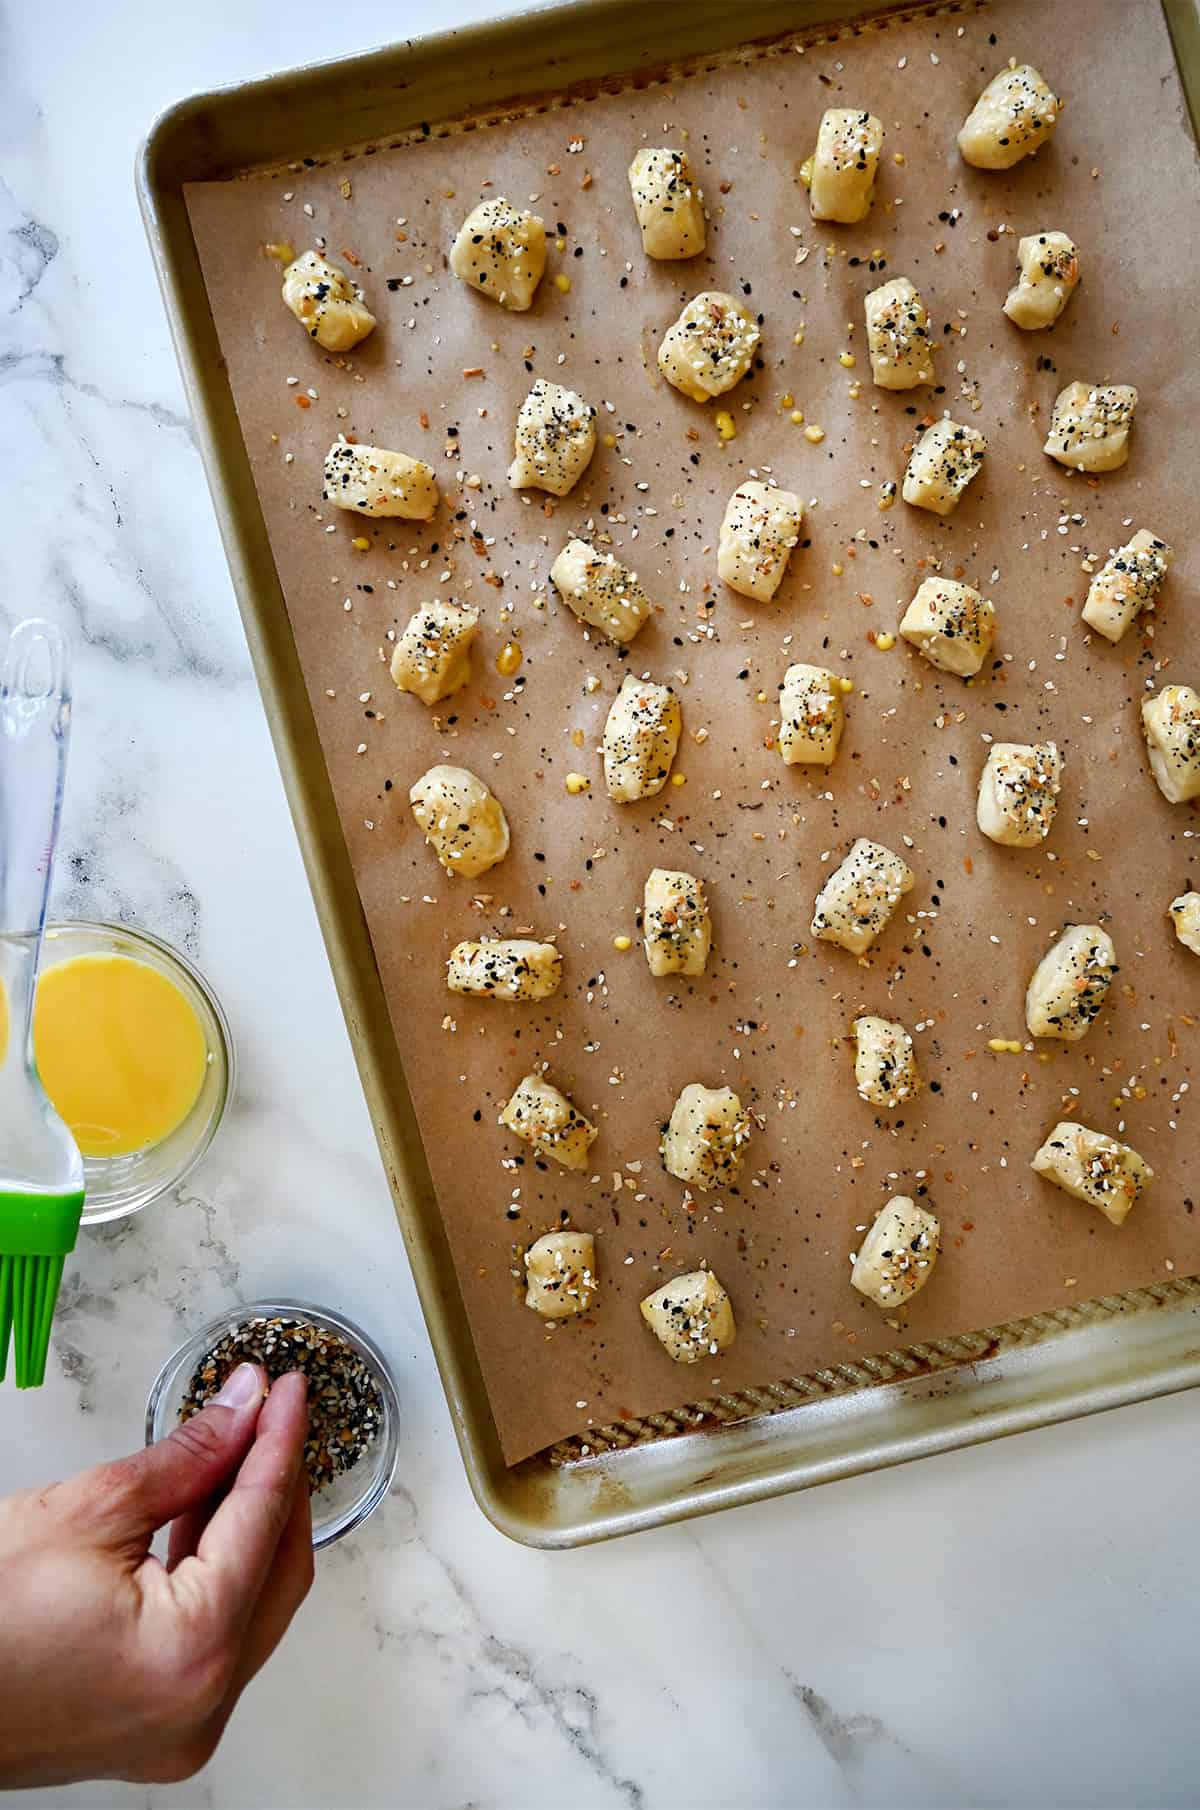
(771, 1017)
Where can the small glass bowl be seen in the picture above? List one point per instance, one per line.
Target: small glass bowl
(116, 1186)
(356, 1493)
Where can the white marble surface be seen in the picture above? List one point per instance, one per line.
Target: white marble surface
(1005, 1626)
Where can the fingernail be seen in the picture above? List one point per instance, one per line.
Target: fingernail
(240, 1389)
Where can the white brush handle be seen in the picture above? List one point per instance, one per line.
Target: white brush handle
(35, 720)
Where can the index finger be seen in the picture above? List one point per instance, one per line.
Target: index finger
(237, 1548)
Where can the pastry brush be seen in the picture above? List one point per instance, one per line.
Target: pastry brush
(41, 1171)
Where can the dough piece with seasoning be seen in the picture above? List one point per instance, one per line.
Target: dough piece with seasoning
(543, 1117)
(885, 1068)
(1185, 915)
(432, 658)
(705, 1138)
(1171, 724)
(691, 1317)
(641, 736)
(898, 1254)
(951, 624)
(761, 526)
(812, 715)
(1018, 792)
(668, 204)
(463, 822)
(1070, 983)
(372, 481)
(600, 590)
(1013, 117)
(899, 342)
(941, 465)
(560, 1275)
(1094, 1168)
(554, 440)
(710, 347)
(326, 303)
(1089, 429)
(510, 967)
(1048, 270)
(676, 926)
(856, 903)
(501, 252)
(1126, 584)
(841, 172)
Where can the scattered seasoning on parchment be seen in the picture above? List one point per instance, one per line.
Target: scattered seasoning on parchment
(345, 1411)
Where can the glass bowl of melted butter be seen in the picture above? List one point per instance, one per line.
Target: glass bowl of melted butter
(134, 1050)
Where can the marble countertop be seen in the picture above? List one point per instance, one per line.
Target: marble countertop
(1008, 1625)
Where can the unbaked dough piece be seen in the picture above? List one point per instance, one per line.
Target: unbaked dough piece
(885, 1068)
(899, 342)
(676, 926)
(710, 347)
(600, 590)
(509, 967)
(1048, 270)
(1089, 429)
(1185, 914)
(326, 303)
(372, 481)
(898, 1254)
(1018, 792)
(554, 440)
(705, 1138)
(1094, 1168)
(668, 204)
(463, 822)
(641, 736)
(856, 903)
(1171, 723)
(844, 165)
(501, 252)
(432, 658)
(761, 526)
(1127, 583)
(1013, 117)
(560, 1275)
(691, 1317)
(543, 1117)
(941, 465)
(951, 624)
(1070, 983)
(812, 715)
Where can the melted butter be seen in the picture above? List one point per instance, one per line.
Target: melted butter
(120, 1052)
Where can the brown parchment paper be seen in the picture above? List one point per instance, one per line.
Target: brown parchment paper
(772, 1015)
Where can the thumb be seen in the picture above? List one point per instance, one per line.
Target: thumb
(129, 1499)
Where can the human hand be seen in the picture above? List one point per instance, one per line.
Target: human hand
(113, 1665)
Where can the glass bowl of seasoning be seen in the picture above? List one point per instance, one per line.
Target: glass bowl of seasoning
(136, 1053)
(353, 1434)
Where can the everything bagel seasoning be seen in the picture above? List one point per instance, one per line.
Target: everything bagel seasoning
(345, 1411)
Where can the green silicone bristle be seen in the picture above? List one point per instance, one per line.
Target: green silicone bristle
(36, 1233)
(28, 1293)
(6, 1313)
